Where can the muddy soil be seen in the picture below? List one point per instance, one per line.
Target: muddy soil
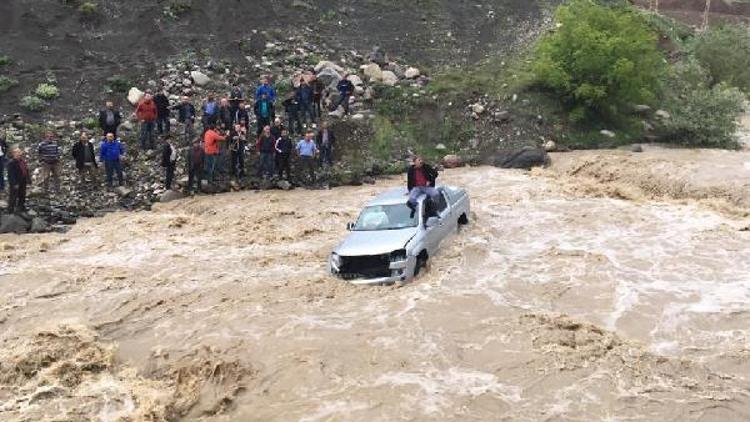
(556, 303)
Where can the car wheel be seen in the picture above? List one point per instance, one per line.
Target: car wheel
(421, 263)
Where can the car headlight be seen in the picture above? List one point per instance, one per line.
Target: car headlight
(335, 261)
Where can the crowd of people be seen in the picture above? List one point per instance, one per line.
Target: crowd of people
(215, 150)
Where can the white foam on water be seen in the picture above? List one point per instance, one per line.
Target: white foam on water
(329, 409)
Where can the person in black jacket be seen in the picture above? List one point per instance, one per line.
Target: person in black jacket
(83, 153)
(186, 115)
(237, 142)
(420, 180)
(162, 112)
(169, 161)
(109, 119)
(242, 116)
(283, 149)
(194, 162)
(19, 178)
(325, 140)
(346, 89)
(305, 96)
(291, 107)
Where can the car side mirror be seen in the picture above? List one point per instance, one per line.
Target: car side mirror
(432, 222)
(350, 226)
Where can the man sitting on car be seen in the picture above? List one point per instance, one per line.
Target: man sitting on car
(420, 180)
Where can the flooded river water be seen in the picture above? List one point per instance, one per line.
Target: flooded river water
(575, 294)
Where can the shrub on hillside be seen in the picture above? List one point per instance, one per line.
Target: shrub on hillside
(725, 53)
(701, 114)
(32, 103)
(46, 91)
(600, 59)
(7, 83)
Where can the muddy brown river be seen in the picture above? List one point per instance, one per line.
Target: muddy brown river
(610, 287)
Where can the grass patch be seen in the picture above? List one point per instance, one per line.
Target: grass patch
(46, 91)
(32, 103)
(7, 83)
(118, 83)
(5, 60)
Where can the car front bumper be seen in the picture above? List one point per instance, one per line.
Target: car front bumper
(401, 272)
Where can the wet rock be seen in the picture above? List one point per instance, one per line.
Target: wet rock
(11, 223)
(412, 73)
(550, 146)
(525, 158)
(607, 133)
(170, 195)
(135, 95)
(200, 78)
(38, 225)
(452, 161)
(636, 148)
(283, 185)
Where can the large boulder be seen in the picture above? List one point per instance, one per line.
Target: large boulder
(329, 76)
(11, 223)
(373, 71)
(524, 158)
(135, 95)
(38, 225)
(171, 195)
(389, 78)
(200, 78)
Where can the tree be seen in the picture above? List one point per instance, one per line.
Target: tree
(600, 59)
(725, 52)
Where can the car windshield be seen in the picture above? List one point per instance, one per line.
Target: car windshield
(386, 217)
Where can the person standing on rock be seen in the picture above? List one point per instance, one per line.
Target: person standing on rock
(146, 113)
(211, 140)
(195, 163)
(283, 149)
(346, 89)
(49, 156)
(109, 118)
(307, 150)
(241, 116)
(291, 107)
(236, 97)
(19, 178)
(169, 161)
(111, 151)
(264, 112)
(162, 112)
(318, 91)
(420, 179)
(266, 148)
(305, 100)
(4, 152)
(265, 88)
(210, 111)
(83, 153)
(226, 116)
(186, 115)
(237, 142)
(325, 140)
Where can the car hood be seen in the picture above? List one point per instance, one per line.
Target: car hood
(360, 243)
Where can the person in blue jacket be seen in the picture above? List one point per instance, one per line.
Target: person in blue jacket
(265, 88)
(111, 151)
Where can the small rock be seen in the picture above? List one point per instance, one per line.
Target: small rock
(440, 147)
(283, 185)
(389, 78)
(355, 80)
(550, 146)
(641, 108)
(358, 116)
(636, 148)
(477, 108)
(452, 161)
(608, 133)
(170, 195)
(123, 192)
(663, 114)
(38, 225)
(412, 73)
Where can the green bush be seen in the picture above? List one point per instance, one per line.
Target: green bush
(701, 114)
(118, 83)
(90, 123)
(32, 103)
(725, 53)
(7, 83)
(88, 8)
(600, 59)
(5, 60)
(46, 91)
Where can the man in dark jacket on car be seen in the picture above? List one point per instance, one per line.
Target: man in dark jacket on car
(420, 180)
(83, 153)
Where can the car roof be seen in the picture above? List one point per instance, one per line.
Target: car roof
(391, 197)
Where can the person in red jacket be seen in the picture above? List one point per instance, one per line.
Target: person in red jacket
(146, 114)
(211, 140)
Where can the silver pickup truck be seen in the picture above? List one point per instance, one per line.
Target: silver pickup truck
(388, 243)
